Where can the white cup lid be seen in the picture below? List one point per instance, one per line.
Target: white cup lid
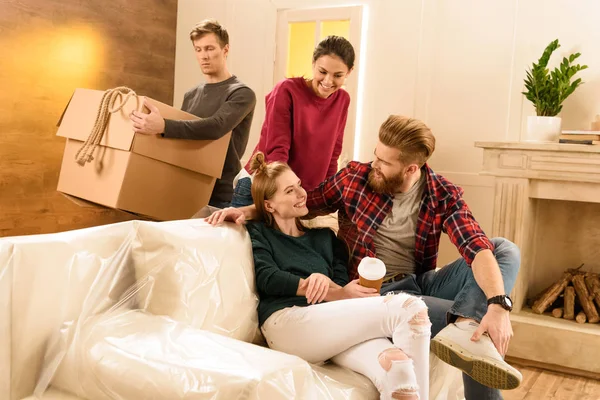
(371, 268)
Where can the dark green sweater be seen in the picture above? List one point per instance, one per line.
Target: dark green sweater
(281, 260)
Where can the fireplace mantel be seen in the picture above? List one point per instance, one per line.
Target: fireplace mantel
(526, 176)
(542, 161)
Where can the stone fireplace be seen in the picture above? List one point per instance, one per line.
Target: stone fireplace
(547, 201)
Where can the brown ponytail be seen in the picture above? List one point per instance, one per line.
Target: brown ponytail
(264, 185)
(258, 163)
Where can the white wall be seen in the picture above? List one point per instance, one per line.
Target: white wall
(458, 65)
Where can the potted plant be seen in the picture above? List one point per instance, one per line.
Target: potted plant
(547, 91)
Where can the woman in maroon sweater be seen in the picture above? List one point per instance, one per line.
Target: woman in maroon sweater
(305, 119)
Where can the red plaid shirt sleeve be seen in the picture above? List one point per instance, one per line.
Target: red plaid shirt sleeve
(463, 230)
(327, 197)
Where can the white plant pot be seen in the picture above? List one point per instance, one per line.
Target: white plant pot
(542, 129)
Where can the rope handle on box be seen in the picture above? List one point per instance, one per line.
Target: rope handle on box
(107, 107)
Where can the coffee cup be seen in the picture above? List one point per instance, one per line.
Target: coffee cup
(371, 272)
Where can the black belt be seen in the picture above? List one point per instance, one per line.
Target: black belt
(396, 278)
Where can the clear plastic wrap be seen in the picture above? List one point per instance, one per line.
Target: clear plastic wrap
(144, 310)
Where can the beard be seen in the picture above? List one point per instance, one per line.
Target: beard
(380, 184)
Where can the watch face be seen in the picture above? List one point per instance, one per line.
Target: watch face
(508, 301)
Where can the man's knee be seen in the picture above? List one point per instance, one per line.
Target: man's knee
(437, 310)
(507, 253)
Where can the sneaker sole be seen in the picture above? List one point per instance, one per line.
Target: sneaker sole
(483, 371)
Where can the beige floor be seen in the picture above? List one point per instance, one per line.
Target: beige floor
(540, 384)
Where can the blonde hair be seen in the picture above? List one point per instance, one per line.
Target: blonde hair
(210, 26)
(409, 135)
(264, 186)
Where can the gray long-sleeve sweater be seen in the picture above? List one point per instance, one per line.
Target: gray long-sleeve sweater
(224, 106)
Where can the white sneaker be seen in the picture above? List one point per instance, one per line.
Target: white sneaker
(480, 360)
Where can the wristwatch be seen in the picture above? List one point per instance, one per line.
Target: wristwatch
(503, 300)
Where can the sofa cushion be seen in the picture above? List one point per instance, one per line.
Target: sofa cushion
(339, 383)
(131, 354)
(135, 355)
(445, 382)
(198, 274)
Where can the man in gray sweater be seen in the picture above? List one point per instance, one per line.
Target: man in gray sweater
(224, 103)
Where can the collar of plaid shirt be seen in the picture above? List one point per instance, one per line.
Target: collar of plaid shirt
(361, 211)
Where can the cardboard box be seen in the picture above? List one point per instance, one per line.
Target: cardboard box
(164, 179)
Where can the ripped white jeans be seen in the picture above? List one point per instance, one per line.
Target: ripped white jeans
(354, 333)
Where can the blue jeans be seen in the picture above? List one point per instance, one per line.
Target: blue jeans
(242, 195)
(452, 291)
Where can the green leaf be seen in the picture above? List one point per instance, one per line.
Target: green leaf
(548, 89)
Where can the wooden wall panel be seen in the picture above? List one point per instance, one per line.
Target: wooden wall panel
(49, 48)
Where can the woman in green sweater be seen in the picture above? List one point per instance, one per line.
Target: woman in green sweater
(307, 306)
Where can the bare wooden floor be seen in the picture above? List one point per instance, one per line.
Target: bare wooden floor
(539, 384)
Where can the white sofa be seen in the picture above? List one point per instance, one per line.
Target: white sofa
(143, 310)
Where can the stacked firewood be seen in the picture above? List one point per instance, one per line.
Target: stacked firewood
(572, 297)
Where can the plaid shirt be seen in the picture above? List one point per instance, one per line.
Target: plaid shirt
(361, 211)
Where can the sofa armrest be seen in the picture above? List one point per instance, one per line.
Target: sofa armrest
(56, 278)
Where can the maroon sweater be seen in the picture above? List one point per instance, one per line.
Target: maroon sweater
(304, 130)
